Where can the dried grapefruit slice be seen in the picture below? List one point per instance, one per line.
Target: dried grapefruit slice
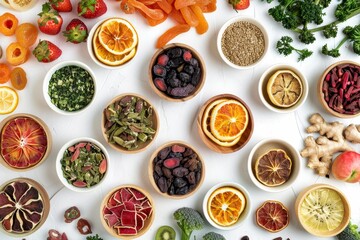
(225, 205)
(229, 120)
(23, 142)
(8, 100)
(273, 168)
(273, 216)
(118, 36)
(284, 88)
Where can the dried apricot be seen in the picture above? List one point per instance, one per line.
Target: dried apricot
(210, 7)
(16, 54)
(8, 24)
(18, 78)
(4, 73)
(26, 34)
(203, 25)
(177, 16)
(126, 7)
(181, 3)
(165, 6)
(189, 16)
(171, 33)
(156, 14)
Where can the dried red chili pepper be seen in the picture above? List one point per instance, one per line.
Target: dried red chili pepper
(84, 226)
(71, 214)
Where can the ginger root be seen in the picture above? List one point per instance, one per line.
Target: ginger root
(332, 139)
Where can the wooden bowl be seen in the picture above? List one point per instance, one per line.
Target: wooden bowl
(48, 138)
(195, 54)
(147, 223)
(142, 145)
(151, 170)
(245, 137)
(300, 199)
(46, 205)
(321, 95)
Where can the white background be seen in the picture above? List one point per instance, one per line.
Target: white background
(178, 122)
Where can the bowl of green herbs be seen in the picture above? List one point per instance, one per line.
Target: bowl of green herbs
(69, 87)
(82, 164)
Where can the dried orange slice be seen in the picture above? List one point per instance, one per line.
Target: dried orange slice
(284, 88)
(107, 57)
(273, 168)
(8, 100)
(225, 205)
(118, 36)
(272, 216)
(229, 120)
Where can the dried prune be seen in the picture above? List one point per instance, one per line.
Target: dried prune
(175, 62)
(180, 172)
(179, 182)
(182, 191)
(162, 184)
(174, 82)
(164, 153)
(174, 52)
(184, 77)
(188, 69)
(191, 178)
(182, 91)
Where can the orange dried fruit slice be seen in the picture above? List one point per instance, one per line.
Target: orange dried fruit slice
(225, 205)
(229, 120)
(26, 34)
(16, 54)
(8, 24)
(273, 168)
(273, 216)
(8, 100)
(284, 88)
(4, 73)
(118, 36)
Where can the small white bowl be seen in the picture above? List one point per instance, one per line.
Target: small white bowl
(47, 80)
(59, 170)
(244, 215)
(264, 146)
(262, 88)
(242, 19)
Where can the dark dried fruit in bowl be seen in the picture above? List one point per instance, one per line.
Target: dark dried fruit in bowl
(71, 214)
(83, 226)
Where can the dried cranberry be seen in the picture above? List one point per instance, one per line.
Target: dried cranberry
(187, 56)
(160, 84)
(162, 60)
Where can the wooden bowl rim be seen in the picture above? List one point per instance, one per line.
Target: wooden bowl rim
(212, 145)
(347, 209)
(321, 95)
(48, 138)
(150, 169)
(46, 201)
(197, 88)
(155, 116)
(105, 200)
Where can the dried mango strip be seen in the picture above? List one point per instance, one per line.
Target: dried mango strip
(171, 33)
(189, 16)
(203, 25)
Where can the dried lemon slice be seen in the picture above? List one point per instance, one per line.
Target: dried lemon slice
(8, 100)
(284, 88)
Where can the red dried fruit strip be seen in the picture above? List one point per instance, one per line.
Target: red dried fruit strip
(189, 16)
(84, 226)
(156, 14)
(71, 214)
(203, 25)
(171, 33)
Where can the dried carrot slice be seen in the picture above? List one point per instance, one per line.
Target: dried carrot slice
(210, 7)
(165, 6)
(177, 16)
(156, 14)
(171, 33)
(126, 7)
(189, 16)
(185, 3)
(203, 25)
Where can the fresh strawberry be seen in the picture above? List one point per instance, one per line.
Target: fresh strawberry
(50, 21)
(240, 4)
(76, 31)
(46, 51)
(61, 5)
(91, 8)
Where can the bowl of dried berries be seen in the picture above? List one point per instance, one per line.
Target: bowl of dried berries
(339, 89)
(24, 207)
(130, 123)
(82, 164)
(176, 170)
(242, 42)
(177, 72)
(127, 212)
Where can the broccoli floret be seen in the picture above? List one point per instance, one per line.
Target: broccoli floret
(188, 220)
(349, 233)
(213, 236)
(284, 47)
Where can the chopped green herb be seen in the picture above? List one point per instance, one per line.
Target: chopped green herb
(71, 88)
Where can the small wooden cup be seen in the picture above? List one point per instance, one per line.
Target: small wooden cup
(245, 137)
(151, 170)
(201, 64)
(147, 223)
(300, 199)
(321, 94)
(48, 139)
(46, 205)
(142, 145)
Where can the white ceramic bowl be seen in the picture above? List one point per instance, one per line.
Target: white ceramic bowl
(245, 19)
(264, 146)
(47, 80)
(59, 170)
(262, 88)
(244, 215)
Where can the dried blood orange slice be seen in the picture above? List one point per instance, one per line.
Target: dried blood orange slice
(225, 205)
(273, 168)
(272, 216)
(24, 142)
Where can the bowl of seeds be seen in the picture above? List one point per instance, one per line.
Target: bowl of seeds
(242, 42)
(130, 123)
